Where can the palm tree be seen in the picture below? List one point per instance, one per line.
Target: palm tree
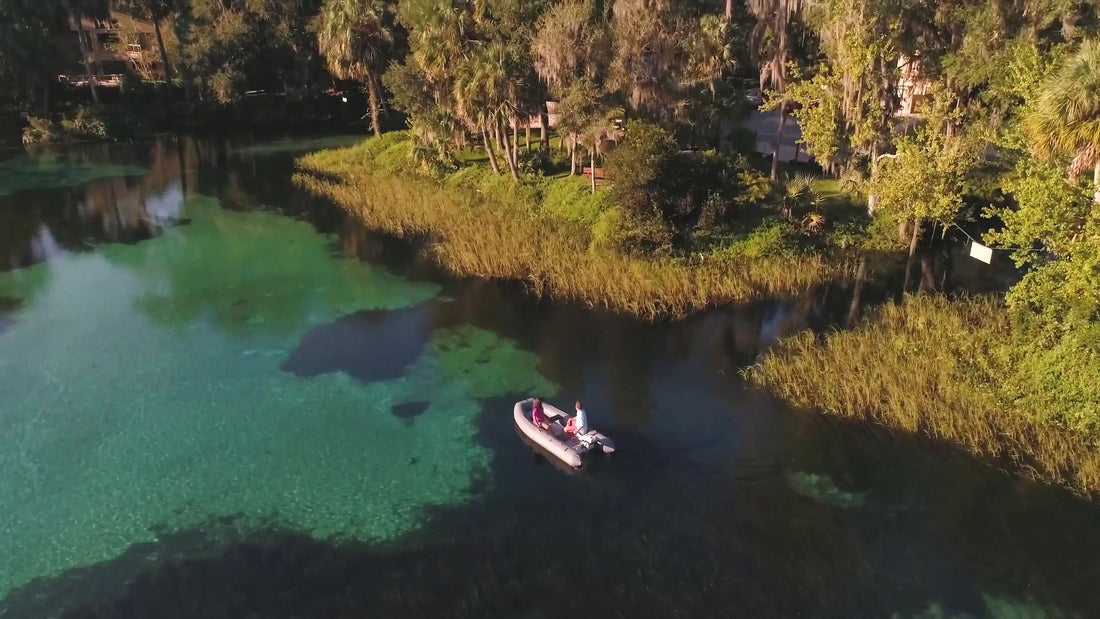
(482, 99)
(356, 37)
(1065, 120)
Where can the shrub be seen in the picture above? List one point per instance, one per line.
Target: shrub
(775, 239)
(535, 162)
(631, 233)
(500, 188)
(394, 158)
(86, 124)
(636, 165)
(571, 199)
(41, 131)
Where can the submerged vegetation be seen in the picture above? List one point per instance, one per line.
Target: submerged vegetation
(557, 237)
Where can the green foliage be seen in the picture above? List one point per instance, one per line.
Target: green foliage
(1058, 384)
(570, 199)
(774, 239)
(395, 158)
(482, 182)
(630, 233)
(980, 383)
(85, 124)
(1052, 228)
(925, 178)
(233, 46)
(535, 162)
(637, 165)
(821, 118)
(40, 131)
(1065, 120)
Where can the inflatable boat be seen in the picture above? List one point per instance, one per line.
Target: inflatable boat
(568, 449)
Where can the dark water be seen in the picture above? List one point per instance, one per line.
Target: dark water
(219, 398)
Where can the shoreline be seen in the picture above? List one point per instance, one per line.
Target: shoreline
(488, 227)
(952, 370)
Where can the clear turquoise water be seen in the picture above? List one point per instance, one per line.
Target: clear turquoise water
(219, 397)
(142, 391)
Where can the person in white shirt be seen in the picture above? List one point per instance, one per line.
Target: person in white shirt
(579, 423)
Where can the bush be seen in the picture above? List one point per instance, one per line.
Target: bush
(395, 158)
(630, 233)
(771, 240)
(535, 162)
(500, 188)
(636, 165)
(41, 131)
(86, 124)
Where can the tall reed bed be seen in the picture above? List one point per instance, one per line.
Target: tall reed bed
(503, 233)
(943, 368)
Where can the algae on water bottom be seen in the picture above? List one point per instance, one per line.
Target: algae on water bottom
(25, 173)
(140, 389)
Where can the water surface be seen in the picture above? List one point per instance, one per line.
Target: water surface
(219, 397)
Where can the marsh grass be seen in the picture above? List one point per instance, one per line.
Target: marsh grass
(942, 368)
(487, 226)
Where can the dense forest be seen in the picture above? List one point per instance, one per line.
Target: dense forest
(1001, 139)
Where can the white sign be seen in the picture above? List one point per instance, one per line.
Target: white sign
(981, 252)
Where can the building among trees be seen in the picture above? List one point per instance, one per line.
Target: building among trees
(103, 50)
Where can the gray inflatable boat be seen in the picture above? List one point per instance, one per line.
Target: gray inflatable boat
(568, 449)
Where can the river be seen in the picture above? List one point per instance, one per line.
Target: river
(219, 397)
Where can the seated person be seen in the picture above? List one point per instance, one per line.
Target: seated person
(539, 416)
(579, 424)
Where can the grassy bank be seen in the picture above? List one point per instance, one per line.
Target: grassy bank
(553, 234)
(956, 371)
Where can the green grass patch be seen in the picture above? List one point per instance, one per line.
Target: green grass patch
(570, 198)
(299, 145)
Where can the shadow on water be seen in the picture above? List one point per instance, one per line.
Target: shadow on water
(720, 502)
(370, 345)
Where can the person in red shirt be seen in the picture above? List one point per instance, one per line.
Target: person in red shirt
(539, 416)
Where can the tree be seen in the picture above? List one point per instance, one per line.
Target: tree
(155, 11)
(1065, 120)
(32, 34)
(483, 99)
(1051, 226)
(357, 39)
(571, 48)
(649, 57)
(771, 48)
(637, 164)
(569, 43)
(711, 62)
(850, 103)
(925, 180)
(232, 46)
